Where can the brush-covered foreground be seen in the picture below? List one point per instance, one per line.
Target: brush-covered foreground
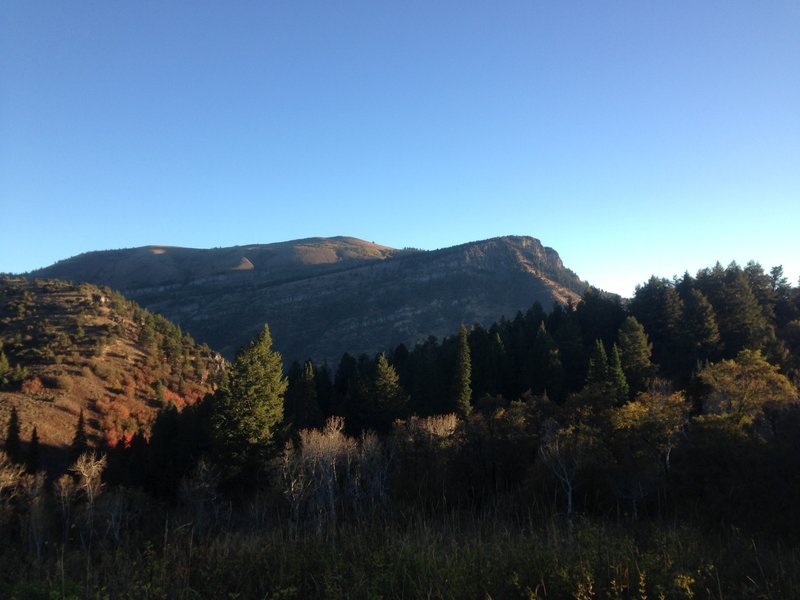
(454, 554)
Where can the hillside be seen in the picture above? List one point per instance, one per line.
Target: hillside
(80, 347)
(325, 296)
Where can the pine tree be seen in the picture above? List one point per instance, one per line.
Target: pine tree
(80, 442)
(32, 456)
(301, 404)
(616, 376)
(741, 320)
(390, 400)
(249, 406)
(462, 390)
(636, 351)
(13, 446)
(598, 365)
(546, 372)
(745, 324)
(700, 327)
(5, 368)
(659, 308)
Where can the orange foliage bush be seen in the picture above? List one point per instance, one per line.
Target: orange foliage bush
(33, 387)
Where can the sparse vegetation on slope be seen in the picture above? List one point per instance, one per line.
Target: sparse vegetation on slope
(73, 348)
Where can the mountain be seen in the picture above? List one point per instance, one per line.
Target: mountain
(325, 296)
(72, 348)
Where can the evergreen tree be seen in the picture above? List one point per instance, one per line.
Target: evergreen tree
(480, 344)
(762, 286)
(745, 323)
(32, 455)
(546, 371)
(324, 387)
(785, 309)
(80, 442)
(700, 327)
(5, 368)
(302, 408)
(616, 376)
(636, 351)
(389, 399)
(162, 474)
(249, 406)
(13, 446)
(742, 322)
(600, 315)
(462, 389)
(563, 325)
(598, 365)
(659, 308)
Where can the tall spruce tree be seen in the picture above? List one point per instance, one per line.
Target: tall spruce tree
(700, 327)
(389, 399)
(659, 308)
(546, 371)
(248, 408)
(636, 351)
(301, 406)
(13, 446)
(616, 376)
(598, 365)
(462, 387)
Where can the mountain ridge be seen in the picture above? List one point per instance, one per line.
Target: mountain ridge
(325, 296)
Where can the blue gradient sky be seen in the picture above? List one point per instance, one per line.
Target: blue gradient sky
(633, 137)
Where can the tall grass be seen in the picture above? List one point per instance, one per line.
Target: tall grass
(411, 554)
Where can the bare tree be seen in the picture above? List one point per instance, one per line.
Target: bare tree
(566, 449)
(89, 469)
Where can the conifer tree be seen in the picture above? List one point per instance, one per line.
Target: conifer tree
(741, 320)
(745, 324)
(616, 376)
(547, 373)
(390, 400)
(13, 446)
(80, 442)
(301, 399)
(462, 389)
(659, 308)
(32, 456)
(5, 368)
(635, 350)
(700, 327)
(249, 406)
(598, 365)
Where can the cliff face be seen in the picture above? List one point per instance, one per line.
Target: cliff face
(325, 296)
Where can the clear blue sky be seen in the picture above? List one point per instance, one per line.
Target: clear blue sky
(633, 137)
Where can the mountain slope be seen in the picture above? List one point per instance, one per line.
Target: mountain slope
(88, 349)
(324, 296)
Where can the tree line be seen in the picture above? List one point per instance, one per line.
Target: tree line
(607, 405)
(678, 405)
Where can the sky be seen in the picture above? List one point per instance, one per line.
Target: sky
(635, 138)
